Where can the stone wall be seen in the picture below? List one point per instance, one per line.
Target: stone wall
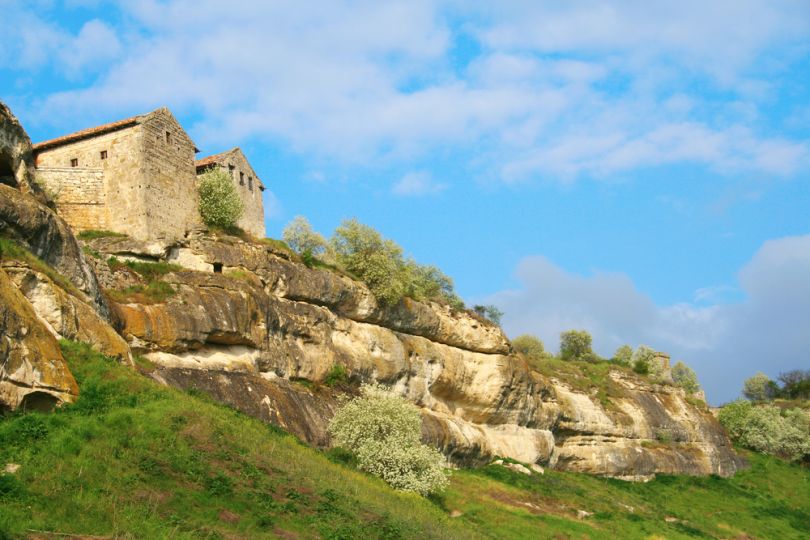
(170, 187)
(79, 194)
(249, 188)
(123, 173)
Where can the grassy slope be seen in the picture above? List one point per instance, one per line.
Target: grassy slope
(133, 459)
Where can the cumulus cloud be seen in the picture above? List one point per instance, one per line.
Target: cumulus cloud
(417, 184)
(557, 90)
(725, 342)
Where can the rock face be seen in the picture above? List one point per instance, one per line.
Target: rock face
(33, 373)
(253, 327)
(47, 236)
(244, 334)
(16, 156)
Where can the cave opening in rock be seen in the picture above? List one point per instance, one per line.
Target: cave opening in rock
(38, 401)
(218, 268)
(7, 171)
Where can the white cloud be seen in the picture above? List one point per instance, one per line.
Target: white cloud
(559, 91)
(725, 343)
(417, 184)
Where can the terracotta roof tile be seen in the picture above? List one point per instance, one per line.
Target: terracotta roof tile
(87, 133)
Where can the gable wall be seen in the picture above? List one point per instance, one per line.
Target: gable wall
(170, 190)
(252, 220)
(112, 200)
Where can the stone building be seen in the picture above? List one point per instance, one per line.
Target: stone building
(247, 184)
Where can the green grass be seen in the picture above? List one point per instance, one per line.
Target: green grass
(93, 234)
(583, 376)
(133, 459)
(152, 290)
(9, 249)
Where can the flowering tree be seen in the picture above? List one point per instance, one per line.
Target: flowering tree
(383, 431)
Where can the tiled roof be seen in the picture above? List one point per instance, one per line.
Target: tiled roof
(210, 160)
(87, 133)
(219, 158)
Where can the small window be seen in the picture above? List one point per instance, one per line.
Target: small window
(168, 137)
(218, 268)
(232, 171)
(241, 178)
(103, 154)
(74, 162)
(250, 183)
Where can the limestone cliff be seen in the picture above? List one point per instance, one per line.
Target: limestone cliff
(259, 334)
(252, 326)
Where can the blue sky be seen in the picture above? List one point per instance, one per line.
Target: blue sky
(638, 169)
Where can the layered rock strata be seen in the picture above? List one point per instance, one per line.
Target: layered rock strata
(268, 320)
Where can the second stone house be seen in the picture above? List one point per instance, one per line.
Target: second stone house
(136, 176)
(247, 183)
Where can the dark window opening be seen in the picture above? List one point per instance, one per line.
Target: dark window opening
(103, 154)
(74, 162)
(250, 183)
(232, 171)
(168, 137)
(241, 178)
(218, 268)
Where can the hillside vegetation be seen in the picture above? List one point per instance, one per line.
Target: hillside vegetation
(133, 459)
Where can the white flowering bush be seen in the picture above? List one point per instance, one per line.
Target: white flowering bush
(382, 430)
(302, 238)
(767, 429)
(220, 205)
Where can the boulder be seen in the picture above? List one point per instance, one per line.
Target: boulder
(33, 372)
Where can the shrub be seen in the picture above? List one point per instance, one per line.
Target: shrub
(795, 384)
(759, 388)
(299, 235)
(529, 345)
(643, 360)
(623, 355)
(767, 429)
(685, 377)
(220, 205)
(575, 345)
(383, 431)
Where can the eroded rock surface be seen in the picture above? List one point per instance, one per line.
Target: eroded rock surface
(46, 235)
(33, 373)
(267, 320)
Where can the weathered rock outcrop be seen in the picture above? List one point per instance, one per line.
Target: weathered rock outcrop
(255, 328)
(63, 314)
(33, 373)
(267, 320)
(16, 156)
(47, 236)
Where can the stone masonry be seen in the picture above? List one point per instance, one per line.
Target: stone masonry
(247, 184)
(138, 177)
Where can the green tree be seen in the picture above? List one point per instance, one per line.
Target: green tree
(489, 312)
(759, 388)
(623, 355)
(220, 205)
(685, 377)
(643, 359)
(378, 262)
(767, 429)
(299, 235)
(530, 346)
(383, 431)
(795, 384)
(575, 345)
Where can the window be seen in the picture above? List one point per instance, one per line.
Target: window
(218, 268)
(241, 178)
(168, 137)
(74, 162)
(232, 171)
(250, 183)
(103, 154)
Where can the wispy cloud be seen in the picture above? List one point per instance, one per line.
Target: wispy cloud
(417, 184)
(557, 91)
